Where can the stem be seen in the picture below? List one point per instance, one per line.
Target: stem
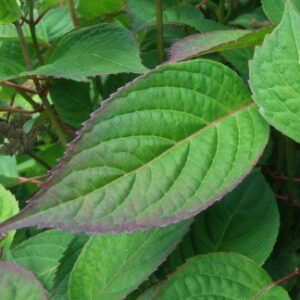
(18, 110)
(160, 30)
(39, 160)
(24, 46)
(282, 280)
(17, 87)
(73, 13)
(33, 33)
(55, 123)
(29, 100)
(34, 180)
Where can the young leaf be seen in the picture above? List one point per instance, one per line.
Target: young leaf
(275, 75)
(8, 208)
(17, 283)
(239, 223)
(201, 44)
(161, 150)
(98, 274)
(41, 254)
(220, 276)
(90, 51)
(72, 100)
(9, 11)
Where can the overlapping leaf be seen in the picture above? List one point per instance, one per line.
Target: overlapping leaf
(41, 254)
(90, 51)
(200, 44)
(17, 283)
(161, 150)
(98, 274)
(220, 276)
(246, 221)
(275, 75)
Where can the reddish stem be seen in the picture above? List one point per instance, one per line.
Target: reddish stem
(34, 180)
(19, 110)
(17, 87)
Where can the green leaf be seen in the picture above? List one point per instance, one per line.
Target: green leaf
(90, 51)
(246, 221)
(41, 254)
(8, 208)
(161, 150)
(60, 287)
(8, 170)
(72, 100)
(274, 8)
(143, 15)
(96, 8)
(98, 274)
(220, 276)
(9, 11)
(17, 283)
(11, 60)
(275, 75)
(201, 44)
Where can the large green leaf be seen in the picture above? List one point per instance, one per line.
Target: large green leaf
(220, 276)
(98, 274)
(246, 221)
(90, 51)
(8, 208)
(17, 283)
(143, 15)
(72, 100)
(161, 150)
(9, 11)
(41, 254)
(275, 75)
(201, 44)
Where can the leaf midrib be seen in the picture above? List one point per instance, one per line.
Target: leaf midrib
(227, 116)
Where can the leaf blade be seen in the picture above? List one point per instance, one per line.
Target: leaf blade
(274, 73)
(193, 118)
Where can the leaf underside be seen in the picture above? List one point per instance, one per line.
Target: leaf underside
(216, 41)
(162, 149)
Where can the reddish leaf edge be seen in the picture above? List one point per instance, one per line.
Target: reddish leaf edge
(19, 221)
